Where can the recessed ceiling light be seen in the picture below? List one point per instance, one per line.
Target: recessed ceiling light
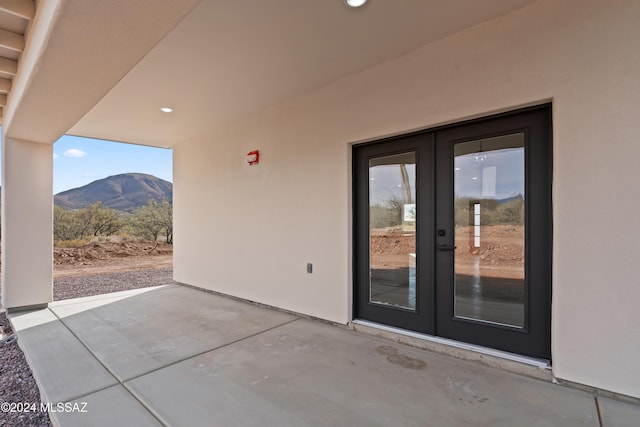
(166, 109)
(355, 3)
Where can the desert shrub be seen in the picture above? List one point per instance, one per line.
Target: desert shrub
(387, 215)
(153, 219)
(69, 225)
(511, 213)
(103, 221)
(96, 220)
(493, 212)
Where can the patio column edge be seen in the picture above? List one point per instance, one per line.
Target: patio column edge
(27, 223)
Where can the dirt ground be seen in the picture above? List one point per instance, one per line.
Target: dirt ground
(501, 251)
(107, 257)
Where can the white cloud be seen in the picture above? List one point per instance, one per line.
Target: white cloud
(55, 156)
(74, 152)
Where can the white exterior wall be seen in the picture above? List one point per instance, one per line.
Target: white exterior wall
(249, 231)
(27, 223)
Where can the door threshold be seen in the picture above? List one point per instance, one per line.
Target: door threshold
(530, 366)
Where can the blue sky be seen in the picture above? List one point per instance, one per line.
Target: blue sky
(469, 177)
(78, 161)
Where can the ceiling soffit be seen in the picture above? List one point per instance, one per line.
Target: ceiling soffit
(76, 51)
(227, 59)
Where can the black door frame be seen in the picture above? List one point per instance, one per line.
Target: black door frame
(434, 314)
(532, 340)
(424, 315)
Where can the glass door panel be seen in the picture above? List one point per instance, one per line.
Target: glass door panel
(452, 232)
(493, 203)
(392, 230)
(489, 208)
(393, 236)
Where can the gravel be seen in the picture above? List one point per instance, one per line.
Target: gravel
(97, 284)
(17, 384)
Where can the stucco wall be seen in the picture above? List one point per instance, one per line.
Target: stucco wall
(249, 231)
(27, 221)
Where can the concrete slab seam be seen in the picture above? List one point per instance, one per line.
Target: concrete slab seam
(149, 408)
(598, 411)
(107, 369)
(209, 351)
(595, 391)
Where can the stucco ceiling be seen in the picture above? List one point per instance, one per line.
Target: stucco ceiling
(226, 59)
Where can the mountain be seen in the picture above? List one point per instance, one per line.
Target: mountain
(124, 192)
(513, 198)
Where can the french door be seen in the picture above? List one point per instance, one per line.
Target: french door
(453, 232)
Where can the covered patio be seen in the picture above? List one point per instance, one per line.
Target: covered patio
(307, 86)
(177, 356)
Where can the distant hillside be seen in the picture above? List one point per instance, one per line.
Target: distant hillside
(124, 192)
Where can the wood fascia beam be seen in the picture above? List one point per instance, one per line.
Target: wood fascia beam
(22, 8)
(8, 66)
(5, 85)
(11, 40)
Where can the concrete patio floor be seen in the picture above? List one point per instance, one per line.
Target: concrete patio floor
(177, 356)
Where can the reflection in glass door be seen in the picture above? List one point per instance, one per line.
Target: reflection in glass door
(453, 232)
(489, 230)
(392, 230)
(393, 186)
(494, 207)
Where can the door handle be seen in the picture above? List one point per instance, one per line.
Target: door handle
(443, 247)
